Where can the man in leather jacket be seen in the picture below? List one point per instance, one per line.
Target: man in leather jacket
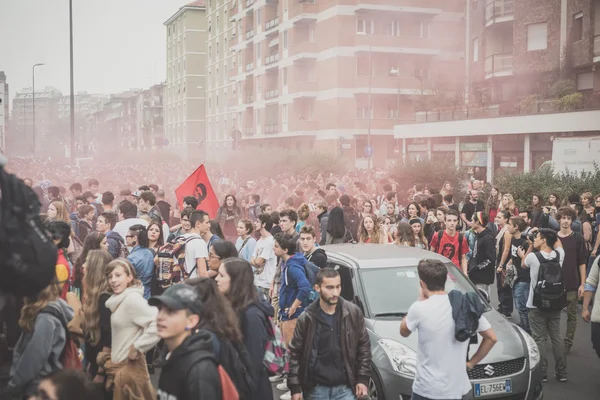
(330, 351)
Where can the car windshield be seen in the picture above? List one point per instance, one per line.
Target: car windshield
(391, 291)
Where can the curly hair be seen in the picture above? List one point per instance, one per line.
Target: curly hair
(303, 212)
(95, 284)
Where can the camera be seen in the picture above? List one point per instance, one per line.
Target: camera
(530, 236)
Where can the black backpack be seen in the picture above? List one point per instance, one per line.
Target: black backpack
(236, 361)
(352, 222)
(27, 252)
(549, 293)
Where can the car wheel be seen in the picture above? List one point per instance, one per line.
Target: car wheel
(375, 388)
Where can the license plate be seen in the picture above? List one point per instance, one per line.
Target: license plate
(492, 388)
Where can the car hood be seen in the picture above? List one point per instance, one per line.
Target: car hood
(510, 345)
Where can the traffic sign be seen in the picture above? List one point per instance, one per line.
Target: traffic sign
(369, 151)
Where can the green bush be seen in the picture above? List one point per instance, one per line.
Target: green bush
(569, 102)
(562, 88)
(545, 181)
(431, 172)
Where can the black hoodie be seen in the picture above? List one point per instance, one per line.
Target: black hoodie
(191, 371)
(318, 257)
(482, 266)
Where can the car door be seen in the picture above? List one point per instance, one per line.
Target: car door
(348, 279)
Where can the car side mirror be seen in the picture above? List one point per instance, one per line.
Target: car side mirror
(485, 295)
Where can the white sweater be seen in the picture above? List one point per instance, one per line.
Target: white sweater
(133, 322)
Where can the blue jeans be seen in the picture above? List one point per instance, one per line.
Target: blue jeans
(331, 393)
(418, 397)
(520, 294)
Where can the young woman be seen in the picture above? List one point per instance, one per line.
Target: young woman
(236, 282)
(94, 241)
(219, 251)
(61, 232)
(367, 209)
(336, 228)
(245, 243)
(492, 203)
(86, 218)
(155, 237)
(57, 211)
(228, 216)
(587, 201)
(430, 223)
(391, 212)
(536, 209)
(303, 214)
(370, 231)
(413, 211)
(133, 327)
(37, 353)
(446, 189)
(419, 241)
(404, 234)
(96, 317)
(388, 226)
(508, 204)
(503, 239)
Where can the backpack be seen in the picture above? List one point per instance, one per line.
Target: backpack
(550, 293)
(27, 253)
(236, 362)
(171, 263)
(460, 240)
(352, 222)
(228, 388)
(277, 359)
(310, 271)
(69, 358)
(122, 250)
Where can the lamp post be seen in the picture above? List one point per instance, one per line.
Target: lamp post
(369, 103)
(72, 94)
(33, 99)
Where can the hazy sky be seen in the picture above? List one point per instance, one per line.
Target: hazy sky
(118, 44)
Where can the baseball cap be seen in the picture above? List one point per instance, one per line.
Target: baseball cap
(178, 297)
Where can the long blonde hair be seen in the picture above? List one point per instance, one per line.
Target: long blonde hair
(95, 284)
(61, 212)
(363, 235)
(33, 305)
(127, 267)
(511, 204)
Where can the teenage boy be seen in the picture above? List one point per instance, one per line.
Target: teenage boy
(574, 268)
(482, 267)
(441, 372)
(106, 225)
(450, 246)
(330, 353)
(196, 252)
(190, 370)
(309, 247)
(264, 260)
(516, 227)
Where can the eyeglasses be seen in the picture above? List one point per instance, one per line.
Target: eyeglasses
(130, 236)
(214, 256)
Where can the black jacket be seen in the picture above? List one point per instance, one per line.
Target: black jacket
(482, 266)
(254, 322)
(323, 221)
(318, 257)
(191, 372)
(355, 345)
(466, 310)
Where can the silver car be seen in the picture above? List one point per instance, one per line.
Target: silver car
(383, 281)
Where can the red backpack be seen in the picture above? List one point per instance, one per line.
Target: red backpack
(69, 358)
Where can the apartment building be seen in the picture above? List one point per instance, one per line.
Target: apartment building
(3, 111)
(337, 75)
(184, 101)
(85, 103)
(150, 119)
(50, 135)
(519, 54)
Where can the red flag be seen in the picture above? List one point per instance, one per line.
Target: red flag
(198, 186)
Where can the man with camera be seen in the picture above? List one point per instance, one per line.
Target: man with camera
(546, 253)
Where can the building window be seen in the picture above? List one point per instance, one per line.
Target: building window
(475, 49)
(395, 28)
(365, 26)
(585, 81)
(577, 28)
(392, 112)
(284, 114)
(363, 113)
(537, 36)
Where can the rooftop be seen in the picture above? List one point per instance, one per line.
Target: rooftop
(194, 5)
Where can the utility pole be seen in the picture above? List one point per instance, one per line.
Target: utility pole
(72, 85)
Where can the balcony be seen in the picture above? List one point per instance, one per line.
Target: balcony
(271, 24)
(302, 125)
(303, 10)
(304, 47)
(270, 59)
(271, 94)
(403, 44)
(498, 65)
(596, 47)
(272, 128)
(249, 34)
(499, 11)
(248, 3)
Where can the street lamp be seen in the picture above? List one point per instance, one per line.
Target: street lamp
(72, 94)
(369, 103)
(33, 100)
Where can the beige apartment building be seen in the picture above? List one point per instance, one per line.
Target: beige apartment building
(516, 52)
(335, 74)
(184, 93)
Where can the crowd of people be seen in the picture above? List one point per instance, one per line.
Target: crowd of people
(151, 277)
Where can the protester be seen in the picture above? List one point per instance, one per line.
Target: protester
(450, 243)
(67, 385)
(418, 239)
(336, 228)
(522, 279)
(127, 218)
(323, 218)
(220, 251)
(155, 237)
(503, 239)
(440, 370)
(85, 225)
(37, 353)
(482, 266)
(308, 246)
(591, 286)
(116, 244)
(141, 257)
(245, 243)
(264, 261)
(330, 351)
(196, 249)
(94, 241)
(236, 282)
(371, 232)
(470, 207)
(95, 321)
(60, 231)
(228, 216)
(190, 371)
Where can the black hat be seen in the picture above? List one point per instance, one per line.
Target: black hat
(179, 297)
